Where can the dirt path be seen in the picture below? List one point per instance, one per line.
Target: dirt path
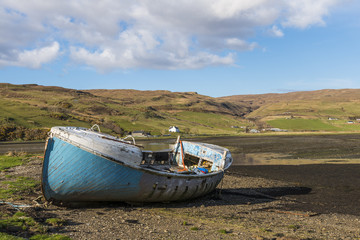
(29, 147)
(248, 208)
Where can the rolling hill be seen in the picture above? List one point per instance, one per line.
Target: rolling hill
(28, 111)
(32, 106)
(322, 110)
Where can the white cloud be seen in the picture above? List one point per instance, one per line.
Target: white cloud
(239, 44)
(161, 34)
(275, 32)
(304, 13)
(32, 58)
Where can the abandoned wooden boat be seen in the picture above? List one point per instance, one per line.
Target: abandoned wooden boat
(85, 165)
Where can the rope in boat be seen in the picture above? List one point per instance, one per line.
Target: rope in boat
(95, 126)
(129, 136)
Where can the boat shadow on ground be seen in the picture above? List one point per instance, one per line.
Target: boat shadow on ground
(239, 196)
(219, 197)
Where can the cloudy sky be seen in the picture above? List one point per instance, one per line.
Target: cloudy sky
(214, 47)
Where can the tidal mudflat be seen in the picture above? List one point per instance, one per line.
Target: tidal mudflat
(254, 201)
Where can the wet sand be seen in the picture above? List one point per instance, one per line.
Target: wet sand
(256, 202)
(314, 201)
(335, 188)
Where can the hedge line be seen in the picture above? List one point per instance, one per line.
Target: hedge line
(12, 133)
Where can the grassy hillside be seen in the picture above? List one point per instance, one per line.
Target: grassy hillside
(166, 101)
(305, 110)
(302, 124)
(116, 111)
(28, 111)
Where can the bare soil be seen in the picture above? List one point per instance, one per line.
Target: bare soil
(253, 202)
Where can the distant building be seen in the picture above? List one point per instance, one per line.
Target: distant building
(254, 131)
(350, 122)
(140, 134)
(332, 119)
(174, 129)
(277, 130)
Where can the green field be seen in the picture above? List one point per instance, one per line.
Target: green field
(302, 125)
(314, 125)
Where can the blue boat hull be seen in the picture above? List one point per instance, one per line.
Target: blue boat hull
(73, 174)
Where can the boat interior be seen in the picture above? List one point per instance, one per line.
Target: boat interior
(164, 160)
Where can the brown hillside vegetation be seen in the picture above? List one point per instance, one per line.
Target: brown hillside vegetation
(31, 106)
(116, 111)
(342, 103)
(172, 101)
(342, 95)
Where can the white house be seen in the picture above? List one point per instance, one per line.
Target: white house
(174, 129)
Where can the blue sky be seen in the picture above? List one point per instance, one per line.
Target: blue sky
(216, 48)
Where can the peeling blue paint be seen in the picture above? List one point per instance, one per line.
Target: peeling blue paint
(70, 171)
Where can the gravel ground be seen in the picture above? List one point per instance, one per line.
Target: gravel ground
(244, 207)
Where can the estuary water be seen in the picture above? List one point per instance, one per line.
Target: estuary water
(255, 149)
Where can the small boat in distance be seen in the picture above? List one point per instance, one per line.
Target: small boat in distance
(85, 165)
